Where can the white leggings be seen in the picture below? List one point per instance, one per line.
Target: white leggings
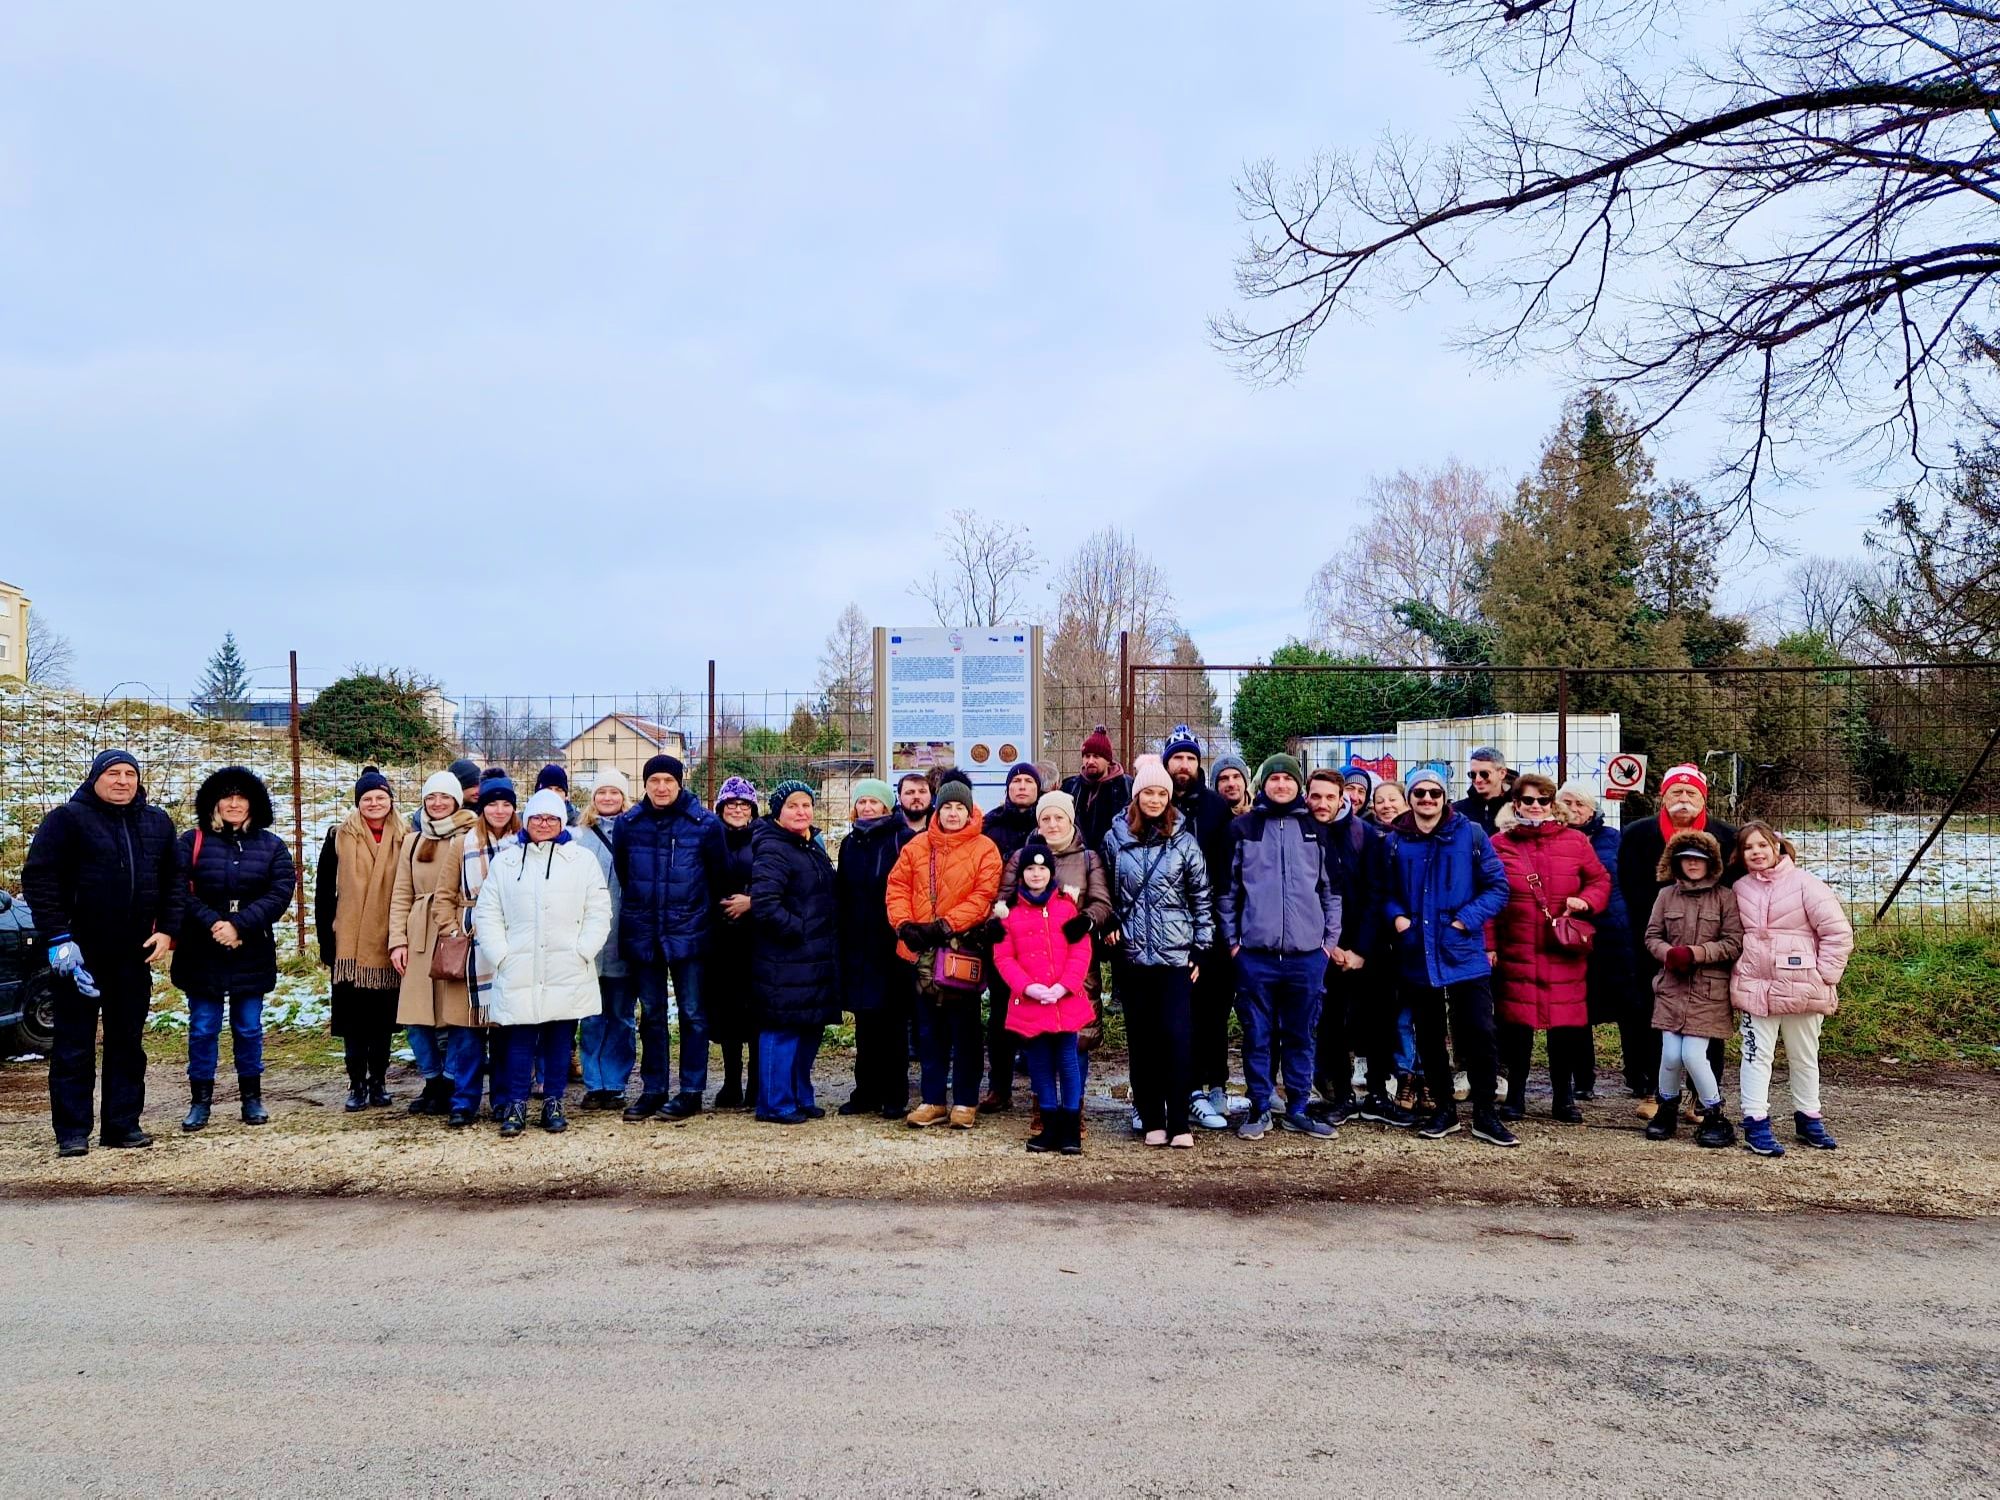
(1761, 1035)
(1687, 1054)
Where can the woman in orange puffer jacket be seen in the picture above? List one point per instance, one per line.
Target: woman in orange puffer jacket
(942, 887)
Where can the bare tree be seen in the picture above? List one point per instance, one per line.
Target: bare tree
(1107, 586)
(48, 659)
(671, 707)
(1798, 223)
(1828, 598)
(987, 568)
(509, 732)
(1424, 540)
(847, 676)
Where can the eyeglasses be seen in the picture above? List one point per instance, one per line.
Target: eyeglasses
(1426, 794)
(1527, 801)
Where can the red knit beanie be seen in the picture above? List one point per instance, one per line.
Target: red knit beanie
(1098, 742)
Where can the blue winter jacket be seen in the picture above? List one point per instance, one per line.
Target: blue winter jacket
(1450, 873)
(669, 862)
(1278, 896)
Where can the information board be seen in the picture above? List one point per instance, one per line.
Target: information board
(966, 698)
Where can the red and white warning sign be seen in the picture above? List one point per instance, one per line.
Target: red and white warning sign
(1624, 774)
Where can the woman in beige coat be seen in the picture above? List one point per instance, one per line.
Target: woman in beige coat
(428, 904)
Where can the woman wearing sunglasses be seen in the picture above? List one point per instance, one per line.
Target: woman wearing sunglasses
(1543, 985)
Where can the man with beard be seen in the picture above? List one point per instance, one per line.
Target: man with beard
(1207, 817)
(1101, 791)
(913, 800)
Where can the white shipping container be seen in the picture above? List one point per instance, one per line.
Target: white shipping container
(1527, 740)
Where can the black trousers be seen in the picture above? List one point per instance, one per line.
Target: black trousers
(1469, 1007)
(126, 996)
(1213, 1000)
(1002, 1045)
(882, 1045)
(1566, 1045)
(368, 1057)
(1159, 1035)
(1354, 1021)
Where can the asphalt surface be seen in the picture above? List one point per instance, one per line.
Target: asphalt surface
(352, 1347)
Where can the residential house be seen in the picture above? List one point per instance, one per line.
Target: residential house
(623, 741)
(13, 633)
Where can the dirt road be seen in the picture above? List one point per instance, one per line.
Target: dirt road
(1919, 1146)
(893, 1349)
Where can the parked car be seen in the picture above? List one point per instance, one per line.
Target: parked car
(27, 984)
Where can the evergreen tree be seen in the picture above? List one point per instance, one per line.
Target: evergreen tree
(224, 689)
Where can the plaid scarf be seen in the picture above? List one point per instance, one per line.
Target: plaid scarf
(480, 849)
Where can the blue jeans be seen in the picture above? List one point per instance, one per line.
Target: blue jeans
(1406, 1036)
(549, 1043)
(1278, 996)
(951, 1043)
(1056, 1069)
(427, 1050)
(465, 1061)
(609, 1040)
(784, 1071)
(246, 1032)
(655, 1034)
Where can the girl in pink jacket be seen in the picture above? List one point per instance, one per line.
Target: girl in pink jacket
(1796, 942)
(1045, 974)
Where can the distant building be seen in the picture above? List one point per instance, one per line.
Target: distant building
(13, 633)
(443, 712)
(622, 741)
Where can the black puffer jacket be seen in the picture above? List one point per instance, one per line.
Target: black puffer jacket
(795, 964)
(243, 877)
(1009, 826)
(868, 962)
(104, 875)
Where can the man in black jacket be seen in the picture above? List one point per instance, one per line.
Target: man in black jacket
(1207, 816)
(1486, 770)
(101, 881)
(1100, 792)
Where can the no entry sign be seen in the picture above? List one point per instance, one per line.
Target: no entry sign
(1624, 774)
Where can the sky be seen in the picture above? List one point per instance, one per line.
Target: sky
(559, 349)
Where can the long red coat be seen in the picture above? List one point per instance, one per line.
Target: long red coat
(1536, 983)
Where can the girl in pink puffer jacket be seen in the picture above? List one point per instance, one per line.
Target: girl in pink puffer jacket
(1045, 973)
(1796, 943)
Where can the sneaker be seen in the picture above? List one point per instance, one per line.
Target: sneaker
(1383, 1110)
(1235, 1104)
(1461, 1086)
(513, 1121)
(1335, 1111)
(857, 1104)
(1218, 1100)
(1758, 1137)
(1301, 1123)
(964, 1116)
(812, 1111)
(134, 1139)
(1253, 1128)
(926, 1115)
(554, 1121)
(1205, 1113)
(1486, 1127)
(1358, 1079)
(1509, 1110)
(1443, 1122)
(645, 1106)
(458, 1119)
(1566, 1113)
(1811, 1131)
(1138, 1123)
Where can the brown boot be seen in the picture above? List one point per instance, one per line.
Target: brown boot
(995, 1103)
(926, 1114)
(1646, 1108)
(964, 1116)
(1690, 1108)
(1035, 1121)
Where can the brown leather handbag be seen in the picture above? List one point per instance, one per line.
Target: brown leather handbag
(451, 956)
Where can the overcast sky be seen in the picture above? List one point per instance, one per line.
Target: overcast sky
(550, 349)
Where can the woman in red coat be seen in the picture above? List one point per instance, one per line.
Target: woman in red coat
(1551, 871)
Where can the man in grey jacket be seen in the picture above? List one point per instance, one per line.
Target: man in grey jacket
(1280, 911)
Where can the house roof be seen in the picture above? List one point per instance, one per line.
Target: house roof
(657, 734)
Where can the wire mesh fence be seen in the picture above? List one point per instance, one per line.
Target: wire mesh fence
(1885, 776)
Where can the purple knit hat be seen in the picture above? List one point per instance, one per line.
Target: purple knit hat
(736, 789)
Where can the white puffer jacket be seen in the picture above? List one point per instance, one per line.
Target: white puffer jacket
(544, 912)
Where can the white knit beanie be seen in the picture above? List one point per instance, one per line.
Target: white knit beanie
(445, 782)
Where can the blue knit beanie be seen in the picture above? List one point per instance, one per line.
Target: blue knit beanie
(1181, 739)
(552, 775)
(496, 786)
(370, 780)
(784, 790)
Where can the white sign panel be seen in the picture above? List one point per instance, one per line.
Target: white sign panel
(960, 698)
(1624, 774)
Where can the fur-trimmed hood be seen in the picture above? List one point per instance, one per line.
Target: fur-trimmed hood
(1667, 872)
(238, 780)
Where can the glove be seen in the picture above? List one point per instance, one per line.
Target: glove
(66, 958)
(1077, 928)
(1680, 958)
(914, 935)
(940, 931)
(992, 931)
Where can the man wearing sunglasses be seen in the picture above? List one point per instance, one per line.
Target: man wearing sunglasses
(1445, 885)
(1486, 770)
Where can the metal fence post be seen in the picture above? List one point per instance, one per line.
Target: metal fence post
(1562, 725)
(708, 748)
(298, 812)
(1125, 697)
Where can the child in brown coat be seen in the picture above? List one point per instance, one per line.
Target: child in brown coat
(1695, 935)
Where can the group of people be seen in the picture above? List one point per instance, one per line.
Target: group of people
(1334, 916)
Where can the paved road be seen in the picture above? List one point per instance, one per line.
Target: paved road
(365, 1348)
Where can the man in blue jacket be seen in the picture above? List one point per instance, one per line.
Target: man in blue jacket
(102, 881)
(1280, 914)
(1445, 885)
(1355, 1014)
(669, 855)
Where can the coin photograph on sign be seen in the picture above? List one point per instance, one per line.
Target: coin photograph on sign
(981, 754)
(1009, 754)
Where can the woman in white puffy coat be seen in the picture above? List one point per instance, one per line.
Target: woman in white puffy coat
(544, 912)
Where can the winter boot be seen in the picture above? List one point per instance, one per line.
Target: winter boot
(1487, 1127)
(250, 1088)
(357, 1075)
(435, 1099)
(201, 1094)
(1714, 1131)
(1563, 1108)
(1072, 1132)
(1666, 1118)
(1758, 1137)
(513, 1121)
(378, 1072)
(1811, 1131)
(1051, 1136)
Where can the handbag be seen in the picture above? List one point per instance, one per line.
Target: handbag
(451, 956)
(1572, 934)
